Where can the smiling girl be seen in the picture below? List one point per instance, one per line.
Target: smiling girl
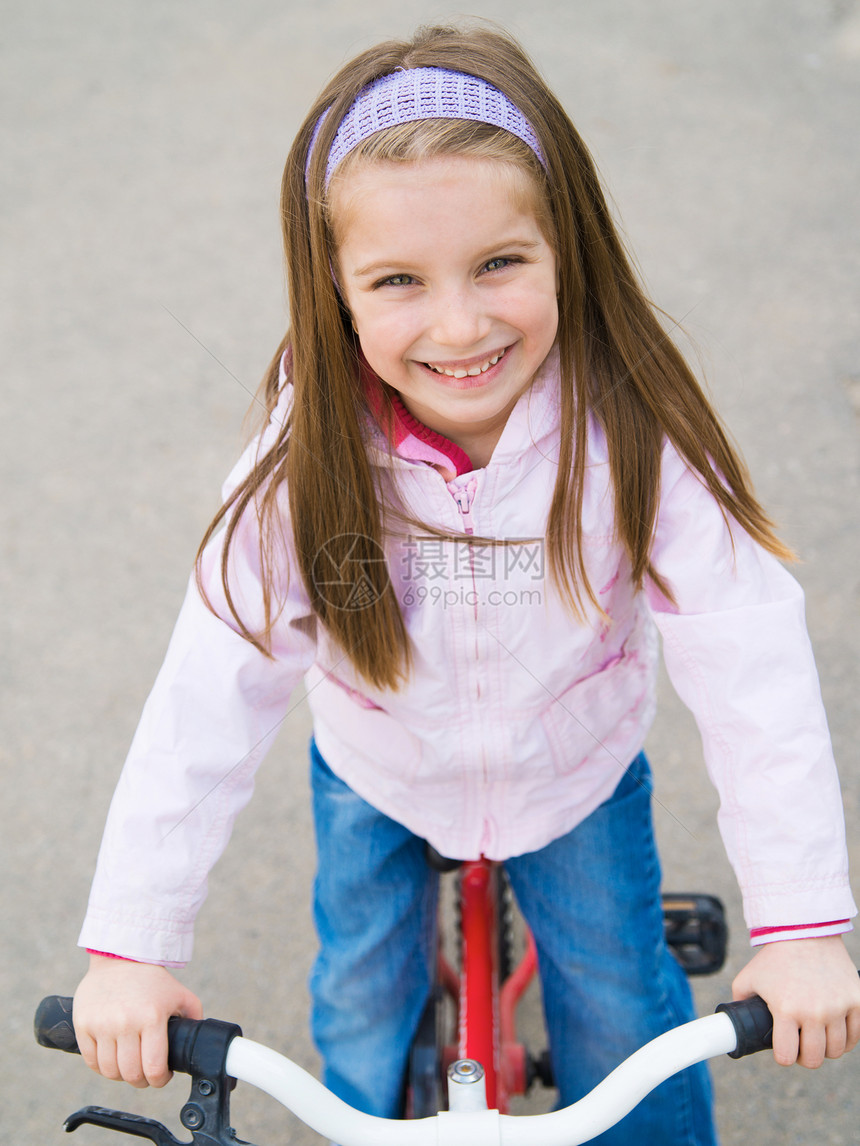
(473, 372)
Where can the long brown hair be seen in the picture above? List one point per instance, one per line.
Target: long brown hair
(615, 359)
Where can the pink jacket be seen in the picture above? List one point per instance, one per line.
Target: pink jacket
(517, 721)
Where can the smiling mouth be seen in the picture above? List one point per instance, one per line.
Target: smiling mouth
(472, 371)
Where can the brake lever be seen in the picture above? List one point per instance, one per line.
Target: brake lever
(126, 1123)
(206, 1114)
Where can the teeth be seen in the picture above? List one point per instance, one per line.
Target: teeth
(473, 372)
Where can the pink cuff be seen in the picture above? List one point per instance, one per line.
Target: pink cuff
(110, 955)
(760, 935)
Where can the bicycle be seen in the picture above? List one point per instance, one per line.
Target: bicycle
(483, 1069)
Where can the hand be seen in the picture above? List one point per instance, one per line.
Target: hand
(120, 1015)
(813, 991)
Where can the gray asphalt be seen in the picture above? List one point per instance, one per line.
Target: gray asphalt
(142, 297)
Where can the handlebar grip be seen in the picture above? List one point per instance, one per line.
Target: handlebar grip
(53, 1024)
(753, 1025)
(195, 1046)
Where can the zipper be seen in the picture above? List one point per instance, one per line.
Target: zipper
(464, 496)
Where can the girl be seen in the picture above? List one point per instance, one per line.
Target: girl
(486, 477)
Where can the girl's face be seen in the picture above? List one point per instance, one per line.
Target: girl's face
(451, 286)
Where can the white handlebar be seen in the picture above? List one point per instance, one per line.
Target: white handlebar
(598, 1111)
(625, 1087)
(315, 1105)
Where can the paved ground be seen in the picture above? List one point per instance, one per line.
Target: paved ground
(143, 296)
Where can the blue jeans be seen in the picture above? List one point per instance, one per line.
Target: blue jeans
(592, 901)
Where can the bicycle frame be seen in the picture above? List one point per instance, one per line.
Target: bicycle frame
(486, 1009)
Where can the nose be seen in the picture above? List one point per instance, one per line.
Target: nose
(459, 320)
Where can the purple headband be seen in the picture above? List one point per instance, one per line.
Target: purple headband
(423, 93)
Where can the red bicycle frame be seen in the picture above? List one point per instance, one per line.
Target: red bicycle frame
(486, 1008)
(486, 1000)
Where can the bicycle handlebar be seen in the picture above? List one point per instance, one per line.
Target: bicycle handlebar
(214, 1052)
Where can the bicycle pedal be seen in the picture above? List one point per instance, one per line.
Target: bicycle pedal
(540, 1070)
(695, 929)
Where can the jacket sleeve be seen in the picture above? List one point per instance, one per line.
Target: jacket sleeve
(738, 654)
(214, 711)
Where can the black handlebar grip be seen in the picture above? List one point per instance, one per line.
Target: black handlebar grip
(53, 1025)
(753, 1025)
(195, 1046)
(199, 1046)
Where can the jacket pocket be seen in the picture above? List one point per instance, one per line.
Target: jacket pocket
(356, 735)
(602, 715)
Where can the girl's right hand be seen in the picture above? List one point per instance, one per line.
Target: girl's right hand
(120, 1014)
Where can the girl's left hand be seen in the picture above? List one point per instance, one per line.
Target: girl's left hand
(813, 991)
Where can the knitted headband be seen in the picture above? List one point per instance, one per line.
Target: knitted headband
(423, 93)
